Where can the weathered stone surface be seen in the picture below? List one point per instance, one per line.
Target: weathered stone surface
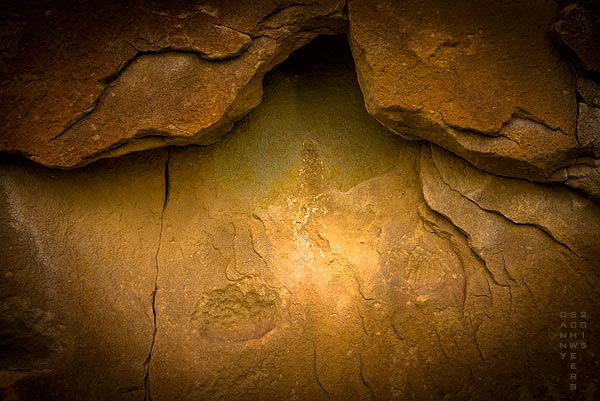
(253, 277)
(578, 31)
(89, 81)
(479, 79)
(588, 130)
(77, 274)
(589, 91)
(310, 254)
(529, 266)
(585, 173)
(80, 82)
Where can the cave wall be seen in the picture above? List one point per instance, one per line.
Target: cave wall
(311, 252)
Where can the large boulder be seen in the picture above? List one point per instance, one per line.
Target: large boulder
(477, 78)
(99, 79)
(89, 81)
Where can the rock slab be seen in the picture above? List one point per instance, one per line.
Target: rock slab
(97, 80)
(480, 80)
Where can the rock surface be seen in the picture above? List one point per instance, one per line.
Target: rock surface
(81, 82)
(99, 80)
(309, 255)
(585, 173)
(478, 79)
(77, 273)
(578, 32)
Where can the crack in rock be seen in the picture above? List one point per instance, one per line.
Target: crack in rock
(167, 184)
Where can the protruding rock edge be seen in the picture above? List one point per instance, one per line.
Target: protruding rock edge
(559, 167)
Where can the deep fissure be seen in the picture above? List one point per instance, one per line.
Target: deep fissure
(167, 184)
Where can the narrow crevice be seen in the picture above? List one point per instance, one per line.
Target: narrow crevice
(489, 273)
(364, 380)
(395, 330)
(578, 111)
(468, 238)
(316, 371)
(277, 11)
(432, 227)
(546, 178)
(345, 13)
(541, 228)
(233, 29)
(517, 114)
(439, 340)
(110, 80)
(475, 332)
(141, 135)
(362, 321)
(147, 396)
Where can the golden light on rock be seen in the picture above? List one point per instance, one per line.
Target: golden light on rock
(378, 228)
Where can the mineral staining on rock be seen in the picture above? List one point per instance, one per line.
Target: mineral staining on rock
(263, 217)
(263, 156)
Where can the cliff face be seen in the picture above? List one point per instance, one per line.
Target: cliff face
(409, 211)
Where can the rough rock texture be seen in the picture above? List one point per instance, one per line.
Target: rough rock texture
(578, 32)
(81, 82)
(99, 79)
(528, 267)
(309, 255)
(585, 173)
(479, 79)
(77, 273)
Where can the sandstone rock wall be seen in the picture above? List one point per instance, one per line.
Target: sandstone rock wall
(311, 253)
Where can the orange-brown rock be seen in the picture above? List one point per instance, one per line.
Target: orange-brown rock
(85, 81)
(478, 78)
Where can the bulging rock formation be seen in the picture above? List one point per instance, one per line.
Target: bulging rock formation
(409, 211)
(578, 33)
(469, 77)
(103, 79)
